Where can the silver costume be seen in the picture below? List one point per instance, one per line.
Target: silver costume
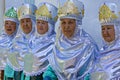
(42, 43)
(22, 43)
(6, 41)
(108, 67)
(73, 58)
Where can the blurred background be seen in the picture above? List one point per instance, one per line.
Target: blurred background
(90, 21)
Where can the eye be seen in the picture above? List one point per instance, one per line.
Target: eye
(103, 29)
(43, 22)
(38, 22)
(63, 22)
(6, 23)
(108, 28)
(70, 22)
(22, 21)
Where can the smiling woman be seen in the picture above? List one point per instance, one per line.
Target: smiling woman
(6, 41)
(26, 25)
(108, 67)
(74, 50)
(68, 27)
(42, 26)
(10, 27)
(108, 33)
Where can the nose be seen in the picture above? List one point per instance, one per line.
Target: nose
(40, 24)
(25, 23)
(67, 26)
(9, 25)
(105, 31)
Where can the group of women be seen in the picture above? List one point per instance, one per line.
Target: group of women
(31, 49)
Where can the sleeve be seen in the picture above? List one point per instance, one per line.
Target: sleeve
(49, 74)
(87, 77)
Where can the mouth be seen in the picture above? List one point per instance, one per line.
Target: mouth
(40, 28)
(106, 36)
(67, 31)
(9, 29)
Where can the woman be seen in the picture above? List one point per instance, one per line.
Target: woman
(42, 42)
(7, 39)
(74, 52)
(109, 60)
(26, 15)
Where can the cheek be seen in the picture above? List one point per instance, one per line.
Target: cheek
(21, 25)
(29, 26)
(72, 28)
(13, 28)
(46, 27)
(102, 32)
(37, 27)
(63, 30)
(113, 35)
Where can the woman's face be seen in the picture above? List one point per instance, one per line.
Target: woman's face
(42, 26)
(68, 27)
(10, 27)
(26, 25)
(108, 33)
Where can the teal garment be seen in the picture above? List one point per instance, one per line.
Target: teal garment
(17, 75)
(27, 77)
(87, 77)
(22, 76)
(50, 73)
(8, 72)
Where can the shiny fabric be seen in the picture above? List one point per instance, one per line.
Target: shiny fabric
(42, 47)
(6, 48)
(73, 58)
(42, 44)
(6, 45)
(108, 67)
(22, 47)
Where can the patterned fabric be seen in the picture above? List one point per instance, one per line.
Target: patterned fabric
(6, 41)
(73, 59)
(6, 44)
(22, 41)
(108, 64)
(42, 45)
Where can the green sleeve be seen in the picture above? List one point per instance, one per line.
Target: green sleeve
(50, 73)
(87, 77)
(9, 72)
